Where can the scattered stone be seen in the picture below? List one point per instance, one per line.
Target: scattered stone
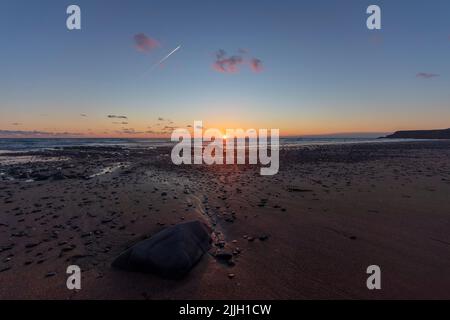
(31, 245)
(69, 248)
(5, 269)
(223, 255)
(6, 247)
(297, 189)
(106, 220)
(231, 263)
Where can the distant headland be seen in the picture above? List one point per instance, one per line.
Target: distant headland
(420, 134)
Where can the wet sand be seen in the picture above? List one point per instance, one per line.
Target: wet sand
(308, 232)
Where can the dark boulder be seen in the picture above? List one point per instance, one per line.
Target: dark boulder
(171, 253)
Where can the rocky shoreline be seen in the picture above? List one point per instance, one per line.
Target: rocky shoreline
(309, 231)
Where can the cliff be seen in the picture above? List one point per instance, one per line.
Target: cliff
(421, 134)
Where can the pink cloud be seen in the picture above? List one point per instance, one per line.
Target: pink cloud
(227, 64)
(144, 43)
(256, 65)
(231, 64)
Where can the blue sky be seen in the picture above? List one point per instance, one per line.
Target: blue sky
(322, 69)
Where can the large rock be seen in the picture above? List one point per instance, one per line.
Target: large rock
(171, 253)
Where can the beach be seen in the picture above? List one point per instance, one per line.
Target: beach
(308, 232)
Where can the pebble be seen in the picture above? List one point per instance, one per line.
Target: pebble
(223, 255)
(50, 274)
(5, 268)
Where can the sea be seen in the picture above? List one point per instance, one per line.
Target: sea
(34, 144)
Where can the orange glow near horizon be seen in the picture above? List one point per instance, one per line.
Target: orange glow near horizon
(136, 126)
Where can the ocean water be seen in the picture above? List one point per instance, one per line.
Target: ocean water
(23, 144)
(29, 144)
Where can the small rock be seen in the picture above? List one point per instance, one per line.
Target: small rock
(223, 255)
(31, 245)
(5, 268)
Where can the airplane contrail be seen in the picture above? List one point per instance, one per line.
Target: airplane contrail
(166, 57)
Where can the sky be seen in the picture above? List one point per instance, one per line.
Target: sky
(304, 67)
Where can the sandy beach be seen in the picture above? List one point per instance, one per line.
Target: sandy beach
(308, 232)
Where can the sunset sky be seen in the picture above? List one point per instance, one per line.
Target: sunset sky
(305, 67)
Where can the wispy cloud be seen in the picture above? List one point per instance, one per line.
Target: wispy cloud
(35, 133)
(426, 75)
(144, 43)
(83, 115)
(16, 124)
(129, 131)
(113, 116)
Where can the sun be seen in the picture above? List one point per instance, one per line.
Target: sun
(224, 137)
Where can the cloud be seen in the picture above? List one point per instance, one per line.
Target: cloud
(113, 116)
(165, 130)
(35, 133)
(160, 119)
(154, 132)
(83, 115)
(231, 64)
(144, 43)
(426, 75)
(120, 122)
(16, 124)
(129, 131)
(256, 65)
(227, 64)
